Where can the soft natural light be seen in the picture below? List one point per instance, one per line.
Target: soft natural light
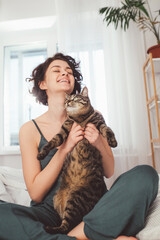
(29, 23)
(19, 105)
(93, 71)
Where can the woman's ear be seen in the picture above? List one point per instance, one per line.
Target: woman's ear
(42, 85)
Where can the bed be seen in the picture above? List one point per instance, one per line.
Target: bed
(13, 189)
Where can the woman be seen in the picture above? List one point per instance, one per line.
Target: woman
(121, 212)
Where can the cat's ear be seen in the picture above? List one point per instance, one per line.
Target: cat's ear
(85, 92)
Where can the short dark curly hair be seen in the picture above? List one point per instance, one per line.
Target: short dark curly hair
(38, 76)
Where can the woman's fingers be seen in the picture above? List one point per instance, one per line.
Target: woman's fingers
(91, 134)
(91, 129)
(76, 134)
(77, 130)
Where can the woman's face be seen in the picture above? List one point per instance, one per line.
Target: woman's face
(58, 77)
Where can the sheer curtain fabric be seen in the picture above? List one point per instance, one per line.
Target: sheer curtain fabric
(111, 63)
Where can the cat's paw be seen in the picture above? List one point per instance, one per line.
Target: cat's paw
(55, 230)
(112, 143)
(40, 156)
(49, 229)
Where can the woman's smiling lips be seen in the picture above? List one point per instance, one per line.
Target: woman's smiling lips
(63, 80)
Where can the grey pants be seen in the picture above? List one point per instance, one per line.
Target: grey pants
(121, 211)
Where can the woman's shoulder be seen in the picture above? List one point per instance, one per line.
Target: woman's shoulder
(28, 129)
(29, 134)
(30, 125)
(27, 126)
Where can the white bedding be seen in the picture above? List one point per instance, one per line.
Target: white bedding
(12, 186)
(152, 225)
(13, 189)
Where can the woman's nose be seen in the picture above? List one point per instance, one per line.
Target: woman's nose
(64, 73)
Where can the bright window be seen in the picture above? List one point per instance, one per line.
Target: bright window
(93, 71)
(19, 105)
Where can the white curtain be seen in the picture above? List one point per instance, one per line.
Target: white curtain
(111, 62)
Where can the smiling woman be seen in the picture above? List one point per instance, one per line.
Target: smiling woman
(53, 67)
(59, 74)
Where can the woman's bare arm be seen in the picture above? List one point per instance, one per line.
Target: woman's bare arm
(107, 157)
(39, 182)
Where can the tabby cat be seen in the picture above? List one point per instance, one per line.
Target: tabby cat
(82, 182)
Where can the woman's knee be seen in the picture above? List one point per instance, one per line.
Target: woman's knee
(146, 174)
(146, 180)
(140, 179)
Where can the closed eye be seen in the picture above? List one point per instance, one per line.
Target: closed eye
(81, 101)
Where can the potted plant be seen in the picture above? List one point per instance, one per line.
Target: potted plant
(136, 11)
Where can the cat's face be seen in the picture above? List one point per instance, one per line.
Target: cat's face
(77, 104)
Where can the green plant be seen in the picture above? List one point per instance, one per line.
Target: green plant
(133, 10)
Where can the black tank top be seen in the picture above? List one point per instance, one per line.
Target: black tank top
(48, 200)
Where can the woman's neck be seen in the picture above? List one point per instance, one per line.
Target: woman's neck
(56, 109)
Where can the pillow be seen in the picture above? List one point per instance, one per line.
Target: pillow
(152, 225)
(12, 186)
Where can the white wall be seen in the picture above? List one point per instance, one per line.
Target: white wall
(150, 40)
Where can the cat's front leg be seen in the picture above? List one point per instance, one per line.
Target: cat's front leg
(49, 146)
(98, 120)
(57, 140)
(108, 134)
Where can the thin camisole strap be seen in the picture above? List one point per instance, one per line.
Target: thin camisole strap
(37, 128)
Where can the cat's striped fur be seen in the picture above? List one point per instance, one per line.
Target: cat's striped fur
(82, 183)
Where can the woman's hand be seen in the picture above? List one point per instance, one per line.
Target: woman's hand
(92, 134)
(76, 134)
(97, 140)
